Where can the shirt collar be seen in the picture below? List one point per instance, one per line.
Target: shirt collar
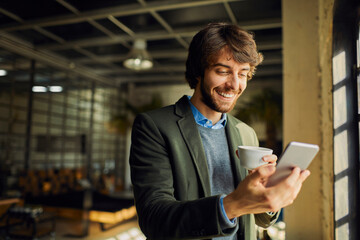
(203, 121)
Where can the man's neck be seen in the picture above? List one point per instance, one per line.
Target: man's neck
(209, 113)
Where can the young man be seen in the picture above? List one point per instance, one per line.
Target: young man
(188, 182)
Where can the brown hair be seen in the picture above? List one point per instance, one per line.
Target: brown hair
(207, 43)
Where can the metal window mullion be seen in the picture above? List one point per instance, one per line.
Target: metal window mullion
(122, 141)
(48, 134)
(117, 142)
(63, 132)
(104, 146)
(90, 133)
(101, 150)
(9, 136)
(29, 117)
(76, 160)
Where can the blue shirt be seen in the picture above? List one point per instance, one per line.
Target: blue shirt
(203, 121)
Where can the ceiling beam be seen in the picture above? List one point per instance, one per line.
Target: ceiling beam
(36, 28)
(27, 50)
(120, 25)
(230, 13)
(155, 35)
(11, 15)
(176, 53)
(116, 11)
(90, 21)
(164, 24)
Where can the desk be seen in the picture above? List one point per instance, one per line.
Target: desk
(29, 220)
(5, 205)
(4, 208)
(8, 201)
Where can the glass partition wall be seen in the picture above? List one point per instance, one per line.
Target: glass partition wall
(52, 121)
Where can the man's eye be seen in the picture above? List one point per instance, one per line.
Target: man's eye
(243, 75)
(223, 72)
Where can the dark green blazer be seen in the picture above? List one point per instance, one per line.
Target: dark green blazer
(170, 176)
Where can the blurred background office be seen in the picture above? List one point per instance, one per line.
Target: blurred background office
(73, 74)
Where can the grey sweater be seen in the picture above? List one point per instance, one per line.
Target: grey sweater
(218, 160)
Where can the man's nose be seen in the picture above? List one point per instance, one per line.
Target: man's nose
(234, 82)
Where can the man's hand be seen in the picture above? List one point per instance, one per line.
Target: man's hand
(270, 159)
(252, 196)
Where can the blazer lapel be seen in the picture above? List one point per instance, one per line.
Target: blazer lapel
(234, 140)
(191, 135)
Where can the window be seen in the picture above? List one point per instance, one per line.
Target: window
(346, 112)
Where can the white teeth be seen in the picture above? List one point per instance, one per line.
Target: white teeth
(226, 94)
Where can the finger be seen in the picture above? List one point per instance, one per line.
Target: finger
(262, 172)
(270, 158)
(304, 175)
(292, 179)
(295, 193)
(291, 186)
(297, 190)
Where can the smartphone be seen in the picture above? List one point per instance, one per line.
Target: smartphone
(295, 154)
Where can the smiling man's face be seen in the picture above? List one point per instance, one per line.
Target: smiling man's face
(224, 81)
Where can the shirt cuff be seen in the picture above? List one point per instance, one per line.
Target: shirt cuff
(225, 221)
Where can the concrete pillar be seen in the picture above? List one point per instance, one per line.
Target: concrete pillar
(307, 86)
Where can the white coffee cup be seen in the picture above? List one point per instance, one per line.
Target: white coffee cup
(251, 156)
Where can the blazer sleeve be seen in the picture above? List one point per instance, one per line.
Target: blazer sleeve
(264, 220)
(160, 214)
(249, 138)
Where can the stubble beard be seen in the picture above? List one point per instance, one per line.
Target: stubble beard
(210, 101)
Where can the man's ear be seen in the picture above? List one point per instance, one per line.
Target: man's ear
(198, 81)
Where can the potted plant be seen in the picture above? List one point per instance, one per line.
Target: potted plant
(122, 122)
(265, 106)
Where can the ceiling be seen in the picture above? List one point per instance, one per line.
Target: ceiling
(92, 38)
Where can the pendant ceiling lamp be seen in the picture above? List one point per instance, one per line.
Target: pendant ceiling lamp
(138, 58)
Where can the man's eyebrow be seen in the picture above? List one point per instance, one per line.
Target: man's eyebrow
(221, 65)
(227, 66)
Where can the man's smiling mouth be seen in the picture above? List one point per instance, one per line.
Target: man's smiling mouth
(226, 95)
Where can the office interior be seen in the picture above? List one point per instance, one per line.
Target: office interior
(71, 83)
